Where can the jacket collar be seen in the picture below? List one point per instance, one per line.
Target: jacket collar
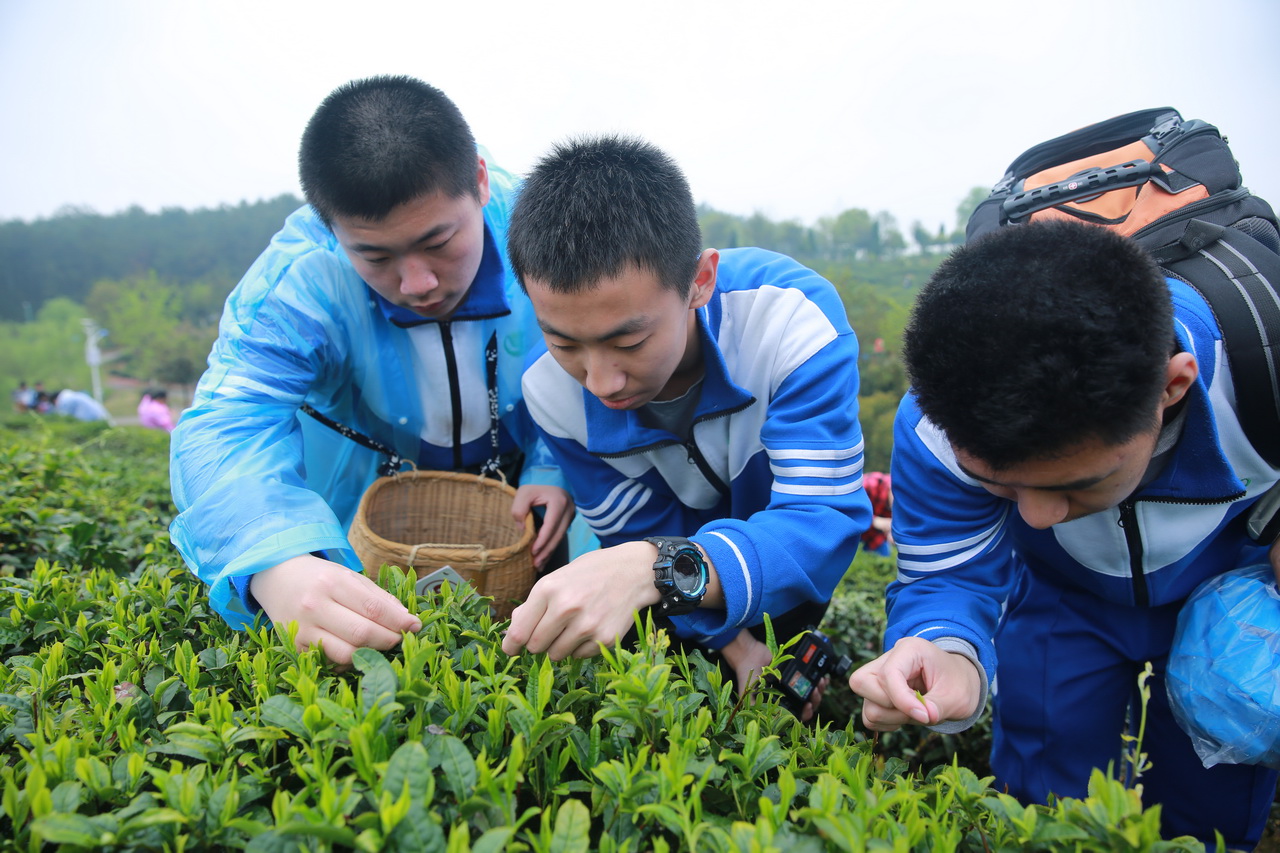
(486, 298)
(611, 432)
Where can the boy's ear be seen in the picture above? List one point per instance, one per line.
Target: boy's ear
(1179, 377)
(704, 278)
(482, 180)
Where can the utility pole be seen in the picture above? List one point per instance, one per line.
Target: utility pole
(93, 355)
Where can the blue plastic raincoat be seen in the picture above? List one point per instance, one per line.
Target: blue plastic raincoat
(256, 482)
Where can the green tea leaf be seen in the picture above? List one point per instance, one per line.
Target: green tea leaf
(69, 829)
(378, 682)
(455, 761)
(573, 826)
(494, 840)
(418, 832)
(284, 712)
(409, 766)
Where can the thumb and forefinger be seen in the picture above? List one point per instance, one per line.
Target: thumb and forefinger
(886, 683)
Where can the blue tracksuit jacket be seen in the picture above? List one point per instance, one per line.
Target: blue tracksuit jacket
(959, 546)
(770, 486)
(1083, 605)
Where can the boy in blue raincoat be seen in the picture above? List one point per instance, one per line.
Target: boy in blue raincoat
(385, 304)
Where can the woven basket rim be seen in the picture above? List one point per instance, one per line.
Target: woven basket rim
(405, 548)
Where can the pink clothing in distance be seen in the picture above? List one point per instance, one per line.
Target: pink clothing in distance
(155, 414)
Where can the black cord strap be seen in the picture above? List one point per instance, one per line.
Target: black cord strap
(394, 462)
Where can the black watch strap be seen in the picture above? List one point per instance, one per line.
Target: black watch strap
(671, 551)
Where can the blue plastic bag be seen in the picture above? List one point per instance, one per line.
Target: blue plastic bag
(1224, 668)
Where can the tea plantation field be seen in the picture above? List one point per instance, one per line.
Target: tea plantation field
(133, 718)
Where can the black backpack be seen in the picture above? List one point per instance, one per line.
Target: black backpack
(1174, 187)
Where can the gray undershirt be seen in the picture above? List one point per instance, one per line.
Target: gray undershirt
(1169, 435)
(674, 416)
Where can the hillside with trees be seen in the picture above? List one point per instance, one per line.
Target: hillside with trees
(155, 283)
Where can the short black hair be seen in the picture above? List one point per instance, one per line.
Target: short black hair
(377, 143)
(1036, 338)
(595, 206)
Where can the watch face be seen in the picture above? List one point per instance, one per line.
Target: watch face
(687, 574)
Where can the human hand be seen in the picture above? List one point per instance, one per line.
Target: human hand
(748, 656)
(883, 525)
(588, 603)
(338, 608)
(557, 513)
(892, 686)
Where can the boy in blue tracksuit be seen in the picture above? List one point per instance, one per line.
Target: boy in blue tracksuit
(686, 393)
(387, 305)
(1067, 468)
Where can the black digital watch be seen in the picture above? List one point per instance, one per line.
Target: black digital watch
(680, 574)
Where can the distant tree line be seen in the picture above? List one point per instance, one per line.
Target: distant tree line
(65, 255)
(156, 283)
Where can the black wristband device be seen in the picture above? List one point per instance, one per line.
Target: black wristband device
(680, 574)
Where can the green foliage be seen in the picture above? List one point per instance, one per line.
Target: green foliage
(876, 415)
(132, 718)
(48, 349)
(160, 331)
(976, 196)
(81, 494)
(64, 255)
(852, 236)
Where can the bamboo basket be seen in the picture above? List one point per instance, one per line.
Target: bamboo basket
(423, 520)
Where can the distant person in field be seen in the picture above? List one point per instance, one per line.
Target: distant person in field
(24, 397)
(79, 405)
(1067, 467)
(878, 539)
(703, 405)
(387, 304)
(153, 410)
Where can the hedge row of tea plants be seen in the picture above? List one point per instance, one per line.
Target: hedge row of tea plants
(133, 718)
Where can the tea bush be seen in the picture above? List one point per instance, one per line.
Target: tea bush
(133, 718)
(81, 493)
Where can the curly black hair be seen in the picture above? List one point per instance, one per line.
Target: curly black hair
(1036, 338)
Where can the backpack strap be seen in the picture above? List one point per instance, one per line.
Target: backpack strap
(1240, 279)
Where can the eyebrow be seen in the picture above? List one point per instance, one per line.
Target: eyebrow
(1082, 483)
(630, 327)
(429, 235)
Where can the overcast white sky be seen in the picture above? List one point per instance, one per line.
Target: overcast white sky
(798, 110)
